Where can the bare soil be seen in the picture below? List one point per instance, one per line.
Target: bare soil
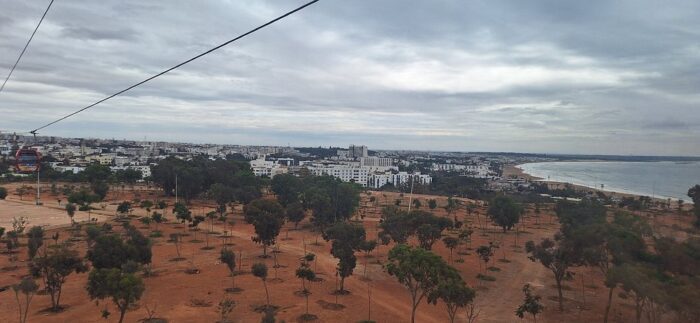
(179, 296)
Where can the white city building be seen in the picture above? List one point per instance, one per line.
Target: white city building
(376, 161)
(345, 173)
(397, 179)
(72, 169)
(448, 167)
(144, 169)
(262, 167)
(378, 180)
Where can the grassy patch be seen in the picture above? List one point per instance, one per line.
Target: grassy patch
(494, 269)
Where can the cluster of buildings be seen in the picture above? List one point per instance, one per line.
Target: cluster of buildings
(351, 165)
(355, 164)
(475, 170)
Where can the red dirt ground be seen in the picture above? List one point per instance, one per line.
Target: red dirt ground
(174, 293)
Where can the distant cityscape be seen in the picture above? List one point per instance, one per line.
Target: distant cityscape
(356, 163)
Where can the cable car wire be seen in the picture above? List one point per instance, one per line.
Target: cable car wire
(25, 46)
(177, 66)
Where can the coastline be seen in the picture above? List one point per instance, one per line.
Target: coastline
(510, 171)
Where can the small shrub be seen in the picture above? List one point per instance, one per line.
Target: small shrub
(486, 277)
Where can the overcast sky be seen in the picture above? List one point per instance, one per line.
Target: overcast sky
(610, 77)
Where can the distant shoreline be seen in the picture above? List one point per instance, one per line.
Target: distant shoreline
(515, 170)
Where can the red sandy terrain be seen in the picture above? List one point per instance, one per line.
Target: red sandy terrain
(181, 297)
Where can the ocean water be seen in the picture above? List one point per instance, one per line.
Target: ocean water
(656, 179)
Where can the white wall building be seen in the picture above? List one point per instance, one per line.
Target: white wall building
(345, 173)
(145, 170)
(378, 180)
(262, 167)
(73, 169)
(397, 179)
(448, 167)
(376, 161)
(477, 170)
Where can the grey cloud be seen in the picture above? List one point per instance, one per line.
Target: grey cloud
(391, 74)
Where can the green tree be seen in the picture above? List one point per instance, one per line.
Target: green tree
(531, 304)
(295, 213)
(454, 292)
(100, 188)
(222, 194)
(397, 226)
(432, 204)
(124, 288)
(70, 209)
(54, 267)
(267, 217)
(110, 251)
(450, 243)
(694, 194)
(28, 288)
(485, 253)
(367, 246)
(228, 257)
(157, 218)
(146, 205)
(287, 187)
(196, 220)
(305, 274)
(124, 208)
(260, 270)
(92, 232)
(35, 240)
(346, 239)
(553, 255)
(330, 200)
(428, 227)
(3, 193)
(427, 235)
(421, 271)
(644, 284)
(505, 212)
(604, 245)
(451, 206)
(417, 204)
(96, 172)
(225, 308)
(128, 176)
(466, 236)
(182, 213)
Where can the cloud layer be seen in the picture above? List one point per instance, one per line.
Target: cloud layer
(617, 77)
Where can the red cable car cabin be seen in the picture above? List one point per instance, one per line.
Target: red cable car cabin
(27, 160)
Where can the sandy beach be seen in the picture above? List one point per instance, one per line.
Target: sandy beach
(512, 171)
